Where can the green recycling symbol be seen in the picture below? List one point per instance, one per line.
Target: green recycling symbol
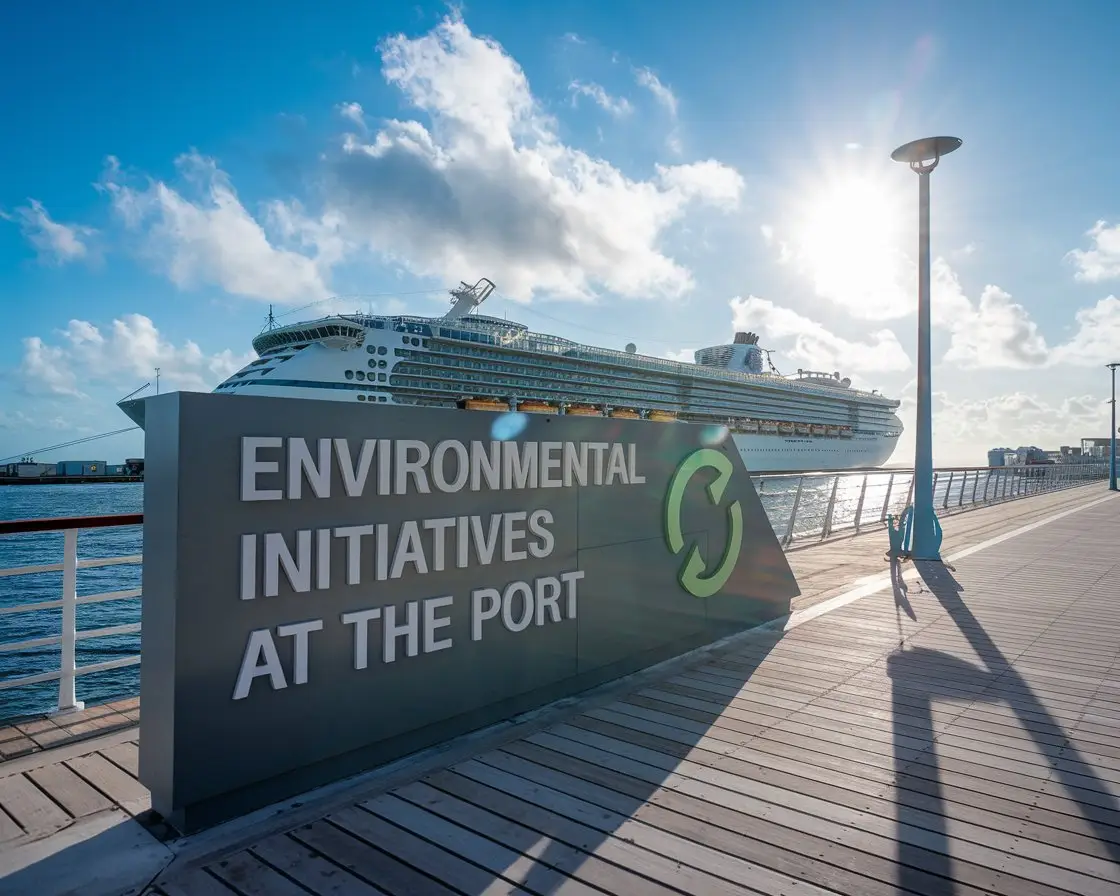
(691, 574)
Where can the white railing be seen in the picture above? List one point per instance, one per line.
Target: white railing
(68, 602)
(806, 508)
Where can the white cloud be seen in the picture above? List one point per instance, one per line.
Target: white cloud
(487, 186)
(352, 112)
(813, 346)
(1102, 262)
(668, 100)
(1097, 339)
(682, 356)
(215, 240)
(125, 355)
(661, 93)
(54, 242)
(618, 106)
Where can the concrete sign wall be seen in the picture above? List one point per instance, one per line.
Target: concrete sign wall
(331, 586)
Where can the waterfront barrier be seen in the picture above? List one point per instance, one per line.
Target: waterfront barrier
(804, 508)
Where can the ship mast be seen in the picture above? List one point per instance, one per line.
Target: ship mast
(466, 298)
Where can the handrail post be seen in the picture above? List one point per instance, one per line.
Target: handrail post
(826, 529)
(948, 488)
(859, 506)
(66, 696)
(975, 485)
(887, 500)
(793, 512)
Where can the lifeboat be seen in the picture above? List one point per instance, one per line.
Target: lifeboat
(818, 430)
(582, 410)
(750, 426)
(845, 432)
(662, 416)
(785, 428)
(834, 430)
(802, 429)
(769, 426)
(625, 413)
(537, 407)
(484, 404)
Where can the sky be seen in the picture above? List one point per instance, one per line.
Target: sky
(660, 174)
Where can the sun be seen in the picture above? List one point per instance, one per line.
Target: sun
(848, 237)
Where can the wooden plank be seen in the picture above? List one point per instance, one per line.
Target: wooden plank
(32, 809)
(126, 756)
(496, 858)
(365, 861)
(9, 830)
(445, 867)
(250, 876)
(309, 869)
(121, 788)
(69, 790)
(195, 882)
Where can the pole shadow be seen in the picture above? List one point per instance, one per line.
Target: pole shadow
(920, 677)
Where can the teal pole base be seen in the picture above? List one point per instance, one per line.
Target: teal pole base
(927, 536)
(899, 535)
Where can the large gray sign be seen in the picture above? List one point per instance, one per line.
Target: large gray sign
(329, 586)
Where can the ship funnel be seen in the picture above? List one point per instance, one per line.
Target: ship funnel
(466, 298)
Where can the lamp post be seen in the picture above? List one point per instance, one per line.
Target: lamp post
(922, 157)
(1112, 434)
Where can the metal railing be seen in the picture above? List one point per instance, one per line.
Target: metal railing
(69, 601)
(807, 508)
(804, 508)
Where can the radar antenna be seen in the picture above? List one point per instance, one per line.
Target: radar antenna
(465, 298)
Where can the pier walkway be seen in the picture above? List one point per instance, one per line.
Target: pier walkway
(927, 729)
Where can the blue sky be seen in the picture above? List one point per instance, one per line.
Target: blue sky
(622, 173)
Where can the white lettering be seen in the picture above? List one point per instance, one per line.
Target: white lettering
(409, 550)
(550, 464)
(323, 560)
(519, 468)
(486, 462)
(431, 623)
(301, 464)
(360, 620)
(382, 572)
(439, 529)
(390, 631)
(538, 519)
(484, 546)
(479, 613)
(616, 466)
(512, 533)
(546, 591)
(413, 468)
(598, 448)
(513, 589)
(354, 481)
(276, 553)
(353, 536)
(635, 478)
(384, 467)
(570, 579)
(251, 467)
(248, 567)
(462, 542)
(260, 647)
(462, 466)
(575, 463)
(300, 631)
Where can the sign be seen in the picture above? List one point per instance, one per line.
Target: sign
(328, 586)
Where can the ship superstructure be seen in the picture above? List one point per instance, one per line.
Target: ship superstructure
(463, 359)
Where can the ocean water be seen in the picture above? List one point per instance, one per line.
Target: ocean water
(882, 493)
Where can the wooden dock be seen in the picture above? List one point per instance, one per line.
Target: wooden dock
(953, 732)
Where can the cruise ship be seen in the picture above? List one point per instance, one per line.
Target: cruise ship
(474, 362)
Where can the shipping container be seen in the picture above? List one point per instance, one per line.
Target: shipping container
(32, 471)
(80, 468)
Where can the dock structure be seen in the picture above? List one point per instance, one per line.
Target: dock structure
(916, 728)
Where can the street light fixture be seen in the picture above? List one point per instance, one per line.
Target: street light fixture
(922, 157)
(1112, 436)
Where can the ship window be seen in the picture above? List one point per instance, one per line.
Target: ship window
(382, 363)
(381, 350)
(381, 377)
(404, 339)
(424, 343)
(349, 374)
(371, 349)
(360, 374)
(361, 397)
(372, 362)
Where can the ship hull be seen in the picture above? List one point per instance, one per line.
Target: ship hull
(778, 453)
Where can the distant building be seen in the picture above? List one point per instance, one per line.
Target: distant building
(1096, 449)
(80, 468)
